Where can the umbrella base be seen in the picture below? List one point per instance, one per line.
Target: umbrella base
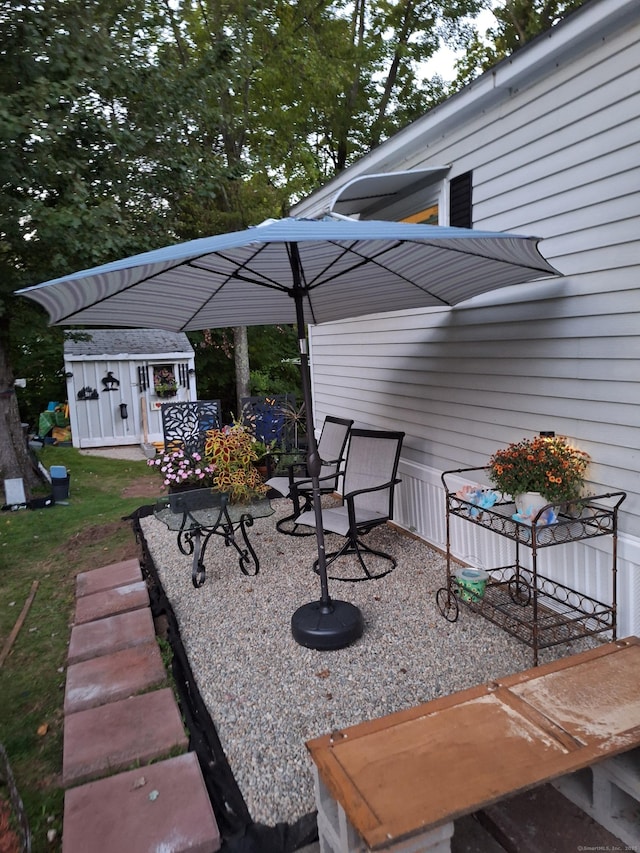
(327, 626)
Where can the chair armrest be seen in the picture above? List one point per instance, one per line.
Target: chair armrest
(305, 484)
(352, 495)
(278, 466)
(335, 462)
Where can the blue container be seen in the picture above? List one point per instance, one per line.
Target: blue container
(471, 583)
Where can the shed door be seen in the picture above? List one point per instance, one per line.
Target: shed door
(100, 394)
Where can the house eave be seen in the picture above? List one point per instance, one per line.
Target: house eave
(591, 23)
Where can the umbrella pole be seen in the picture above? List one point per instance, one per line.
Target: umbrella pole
(314, 466)
(327, 623)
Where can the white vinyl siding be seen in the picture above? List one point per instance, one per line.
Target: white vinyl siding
(558, 158)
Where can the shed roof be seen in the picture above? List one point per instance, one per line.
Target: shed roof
(127, 342)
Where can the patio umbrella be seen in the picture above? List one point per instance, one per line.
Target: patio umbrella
(296, 271)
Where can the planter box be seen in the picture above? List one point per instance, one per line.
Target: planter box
(192, 500)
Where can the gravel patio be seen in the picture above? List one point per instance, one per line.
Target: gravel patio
(266, 695)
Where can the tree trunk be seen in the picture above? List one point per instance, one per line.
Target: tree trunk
(14, 455)
(241, 359)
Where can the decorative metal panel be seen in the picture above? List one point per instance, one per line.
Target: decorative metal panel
(267, 417)
(184, 425)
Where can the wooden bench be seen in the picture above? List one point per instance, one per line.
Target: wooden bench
(398, 783)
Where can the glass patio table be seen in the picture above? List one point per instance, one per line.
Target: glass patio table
(199, 514)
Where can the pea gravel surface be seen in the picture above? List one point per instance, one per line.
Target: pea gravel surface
(267, 695)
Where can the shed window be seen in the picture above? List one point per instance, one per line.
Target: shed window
(164, 380)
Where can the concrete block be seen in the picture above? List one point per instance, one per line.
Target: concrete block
(111, 634)
(577, 787)
(162, 807)
(331, 841)
(624, 771)
(115, 736)
(337, 835)
(335, 832)
(108, 577)
(616, 796)
(609, 792)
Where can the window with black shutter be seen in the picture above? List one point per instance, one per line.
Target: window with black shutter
(460, 190)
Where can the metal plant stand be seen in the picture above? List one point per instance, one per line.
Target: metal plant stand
(539, 611)
(199, 514)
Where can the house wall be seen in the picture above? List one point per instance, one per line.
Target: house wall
(554, 154)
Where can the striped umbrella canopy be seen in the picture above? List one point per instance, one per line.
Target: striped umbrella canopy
(296, 271)
(337, 268)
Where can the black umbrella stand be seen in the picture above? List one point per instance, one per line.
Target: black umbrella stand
(324, 624)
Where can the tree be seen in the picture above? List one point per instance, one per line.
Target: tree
(127, 125)
(291, 70)
(241, 351)
(369, 64)
(87, 121)
(274, 349)
(518, 21)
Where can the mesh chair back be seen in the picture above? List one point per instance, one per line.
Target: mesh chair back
(372, 460)
(331, 444)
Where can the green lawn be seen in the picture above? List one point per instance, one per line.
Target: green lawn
(51, 546)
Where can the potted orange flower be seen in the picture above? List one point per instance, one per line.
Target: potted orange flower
(545, 464)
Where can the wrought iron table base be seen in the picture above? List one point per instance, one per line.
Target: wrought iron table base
(195, 540)
(358, 548)
(198, 514)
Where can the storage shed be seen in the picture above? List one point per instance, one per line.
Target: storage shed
(117, 379)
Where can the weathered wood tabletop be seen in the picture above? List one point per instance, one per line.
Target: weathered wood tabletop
(399, 775)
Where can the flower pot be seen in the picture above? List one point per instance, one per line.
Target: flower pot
(190, 497)
(166, 393)
(529, 503)
(177, 501)
(471, 583)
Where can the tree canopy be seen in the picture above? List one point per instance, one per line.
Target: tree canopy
(517, 22)
(129, 125)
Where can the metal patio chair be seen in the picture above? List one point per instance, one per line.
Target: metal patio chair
(369, 486)
(296, 484)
